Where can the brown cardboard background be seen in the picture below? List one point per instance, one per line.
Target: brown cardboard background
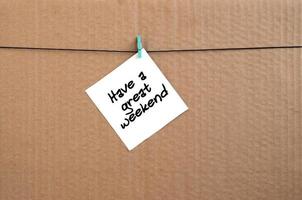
(168, 24)
(240, 139)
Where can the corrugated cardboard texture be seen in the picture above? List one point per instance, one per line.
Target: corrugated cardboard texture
(164, 24)
(240, 139)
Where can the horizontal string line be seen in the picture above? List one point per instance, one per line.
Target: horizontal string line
(162, 50)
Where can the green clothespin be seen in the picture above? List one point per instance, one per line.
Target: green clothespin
(139, 45)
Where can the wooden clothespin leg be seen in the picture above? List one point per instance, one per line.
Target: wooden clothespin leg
(139, 46)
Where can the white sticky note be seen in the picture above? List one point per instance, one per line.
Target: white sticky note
(136, 99)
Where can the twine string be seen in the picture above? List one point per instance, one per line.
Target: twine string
(152, 50)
